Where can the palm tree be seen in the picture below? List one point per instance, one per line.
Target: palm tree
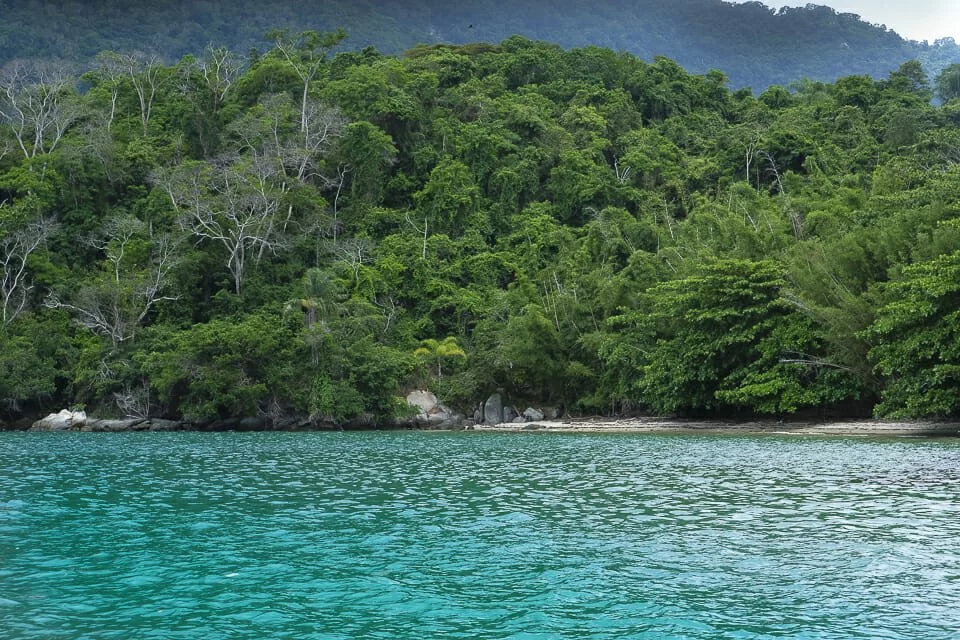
(320, 300)
(440, 349)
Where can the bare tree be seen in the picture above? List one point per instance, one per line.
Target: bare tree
(118, 306)
(99, 143)
(144, 72)
(205, 82)
(219, 69)
(115, 237)
(235, 203)
(109, 72)
(337, 183)
(354, 252)
(306, 53)
(796, 219)
(37, 103)
(418, 230)
(322, 124)
(269, 132)
(16, 246)
(135, 400)
(754, 136)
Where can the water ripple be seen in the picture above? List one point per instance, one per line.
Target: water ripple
(419, 535)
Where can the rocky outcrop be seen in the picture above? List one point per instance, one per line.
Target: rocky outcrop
(65, 420)
(431, 413)
(496, 411)
(423, 400)
(132, 424)
(78, 421)
(157, 424)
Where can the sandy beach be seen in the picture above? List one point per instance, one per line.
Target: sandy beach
(668, 425)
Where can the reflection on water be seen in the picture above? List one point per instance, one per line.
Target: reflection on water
(418, 535)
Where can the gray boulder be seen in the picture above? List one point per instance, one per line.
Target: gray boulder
(532, 414)
(65, 420)
(493, 410)
(156, 424)
(431, 412)
(443, 417)
(251, 424)
(423, 400)
(131, 424)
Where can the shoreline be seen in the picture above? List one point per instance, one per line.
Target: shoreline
(852, 427)
(867, 427)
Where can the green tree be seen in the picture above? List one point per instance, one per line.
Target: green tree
(438, 350)
(724, 339)
(226, 367)
(449, 196)
(948, 83)
(916, 339)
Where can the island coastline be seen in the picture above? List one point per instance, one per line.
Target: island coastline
(588, 424)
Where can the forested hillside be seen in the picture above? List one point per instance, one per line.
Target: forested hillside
(754, 45)
(315, 234)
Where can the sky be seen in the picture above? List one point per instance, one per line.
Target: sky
(912, 19)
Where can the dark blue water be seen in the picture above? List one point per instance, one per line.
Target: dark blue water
(429, 535)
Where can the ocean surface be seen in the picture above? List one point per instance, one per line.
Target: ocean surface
(477, 535)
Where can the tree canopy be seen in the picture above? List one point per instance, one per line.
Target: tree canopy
(303, 232)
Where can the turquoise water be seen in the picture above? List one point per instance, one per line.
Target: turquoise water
(430, 535)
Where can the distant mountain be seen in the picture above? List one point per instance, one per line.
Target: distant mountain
(754, 45)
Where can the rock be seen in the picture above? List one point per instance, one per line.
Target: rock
(519, 420)
(130, 424)
(294, 423)
(362, 421)
(493, 410)
(221, 424)
(551, 413)
(156, 424)
(251, 424)
(432, 413)
(65, 420)
(509, 413)
(423, 400)
(532, 414)
(444, 418)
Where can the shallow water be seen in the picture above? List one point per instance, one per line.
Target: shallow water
(422, 535)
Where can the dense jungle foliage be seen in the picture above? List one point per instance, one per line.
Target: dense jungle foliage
(755, 45)
(310, 234)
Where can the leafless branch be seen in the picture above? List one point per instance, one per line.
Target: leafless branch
(15, 249)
